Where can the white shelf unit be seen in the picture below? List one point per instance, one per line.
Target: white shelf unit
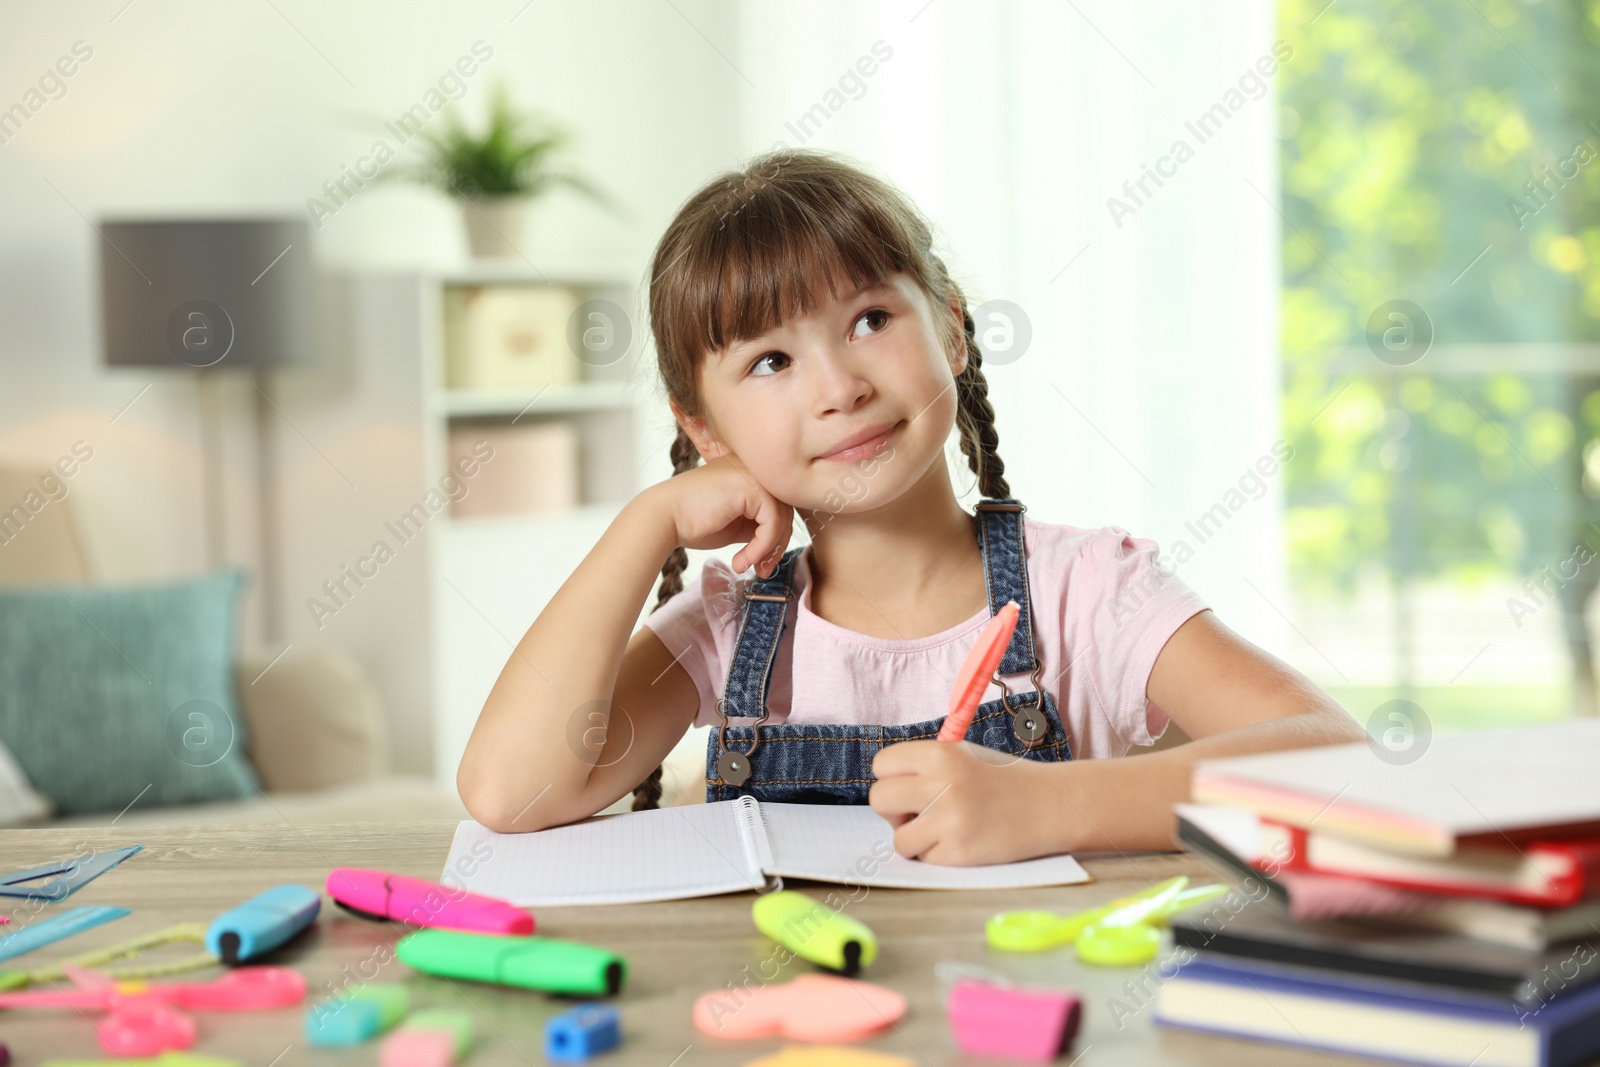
(514, 403)
(377, 414)
(494, 574)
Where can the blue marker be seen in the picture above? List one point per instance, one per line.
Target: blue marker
(262, 924)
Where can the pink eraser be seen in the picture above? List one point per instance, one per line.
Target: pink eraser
(1011, 1021)
(418, 1048)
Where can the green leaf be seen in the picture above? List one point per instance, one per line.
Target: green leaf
(515, 154)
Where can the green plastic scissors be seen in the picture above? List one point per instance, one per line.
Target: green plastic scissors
(1120, 932)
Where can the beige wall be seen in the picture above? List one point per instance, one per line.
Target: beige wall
(204, 109)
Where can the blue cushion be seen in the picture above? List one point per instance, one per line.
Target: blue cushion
(111, 694)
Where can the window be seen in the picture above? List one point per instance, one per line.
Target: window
(1441, 338)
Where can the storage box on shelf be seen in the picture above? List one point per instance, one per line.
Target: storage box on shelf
(530, 388)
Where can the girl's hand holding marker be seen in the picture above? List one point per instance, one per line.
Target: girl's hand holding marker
(927, 765)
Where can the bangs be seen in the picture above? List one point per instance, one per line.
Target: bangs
(753, 250)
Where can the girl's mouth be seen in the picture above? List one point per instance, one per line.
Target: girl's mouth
(869, 447)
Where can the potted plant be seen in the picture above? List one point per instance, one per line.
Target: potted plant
(496, 174)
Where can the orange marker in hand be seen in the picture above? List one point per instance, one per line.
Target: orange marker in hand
(976, 671)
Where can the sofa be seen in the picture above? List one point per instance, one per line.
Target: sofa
(345, 776)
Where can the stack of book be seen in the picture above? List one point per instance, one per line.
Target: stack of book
(1443, 910)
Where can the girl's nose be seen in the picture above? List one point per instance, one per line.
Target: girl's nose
(842, 384)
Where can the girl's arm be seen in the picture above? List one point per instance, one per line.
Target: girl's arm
(1231, 698)
(964, 804)
(533, 759)
(581, 714)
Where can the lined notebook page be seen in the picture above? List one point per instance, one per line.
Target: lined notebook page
(662, 854)
(852, 843)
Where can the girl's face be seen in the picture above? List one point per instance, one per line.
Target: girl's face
(785, 404)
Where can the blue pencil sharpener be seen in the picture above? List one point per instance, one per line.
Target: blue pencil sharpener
(584, 1031)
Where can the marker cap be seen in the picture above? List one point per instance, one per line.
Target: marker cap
(262, 923)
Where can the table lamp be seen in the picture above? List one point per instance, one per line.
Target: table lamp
(211, 296)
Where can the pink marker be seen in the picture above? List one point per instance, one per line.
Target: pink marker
(976, 671)
(383, 896)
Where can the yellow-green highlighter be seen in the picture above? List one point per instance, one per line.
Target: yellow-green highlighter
(815, 932)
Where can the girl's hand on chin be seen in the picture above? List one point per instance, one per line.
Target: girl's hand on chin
(719, 504)
(961, 804)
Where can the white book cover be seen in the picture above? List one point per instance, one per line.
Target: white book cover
(1487, 783)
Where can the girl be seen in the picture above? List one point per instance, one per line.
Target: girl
(816, 355)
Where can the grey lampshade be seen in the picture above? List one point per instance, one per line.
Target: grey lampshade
(206, 293)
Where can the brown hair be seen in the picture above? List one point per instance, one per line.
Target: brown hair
(757, 246)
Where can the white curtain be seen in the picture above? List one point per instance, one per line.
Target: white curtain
(1149, 391)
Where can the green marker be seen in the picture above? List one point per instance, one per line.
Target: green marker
(533, 962)
(815, 932)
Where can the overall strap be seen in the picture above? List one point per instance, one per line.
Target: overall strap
(766, 605)
(1005, 572)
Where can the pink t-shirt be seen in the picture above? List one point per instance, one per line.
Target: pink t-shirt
(1102, 612)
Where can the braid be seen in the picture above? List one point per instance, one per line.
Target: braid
(684, 457)
(975, 417)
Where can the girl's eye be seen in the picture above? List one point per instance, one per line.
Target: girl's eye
(763, 359)
(876, 313)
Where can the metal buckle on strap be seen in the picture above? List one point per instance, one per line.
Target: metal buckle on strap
(985, 505)
(777, 598)
(722, 730)
(1036, 704)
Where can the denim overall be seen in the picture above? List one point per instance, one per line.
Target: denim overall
(831, 763)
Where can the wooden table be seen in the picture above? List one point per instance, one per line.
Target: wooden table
(676, 951)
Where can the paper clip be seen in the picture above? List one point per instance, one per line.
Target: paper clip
(192, 932)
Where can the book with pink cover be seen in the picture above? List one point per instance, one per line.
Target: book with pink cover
(1505, 785)
(1231, 841)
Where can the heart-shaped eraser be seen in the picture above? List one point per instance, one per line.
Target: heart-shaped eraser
(813, 1007)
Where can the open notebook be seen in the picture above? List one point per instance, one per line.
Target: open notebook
(703, 849)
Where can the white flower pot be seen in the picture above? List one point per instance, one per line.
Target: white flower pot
(496, 226)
